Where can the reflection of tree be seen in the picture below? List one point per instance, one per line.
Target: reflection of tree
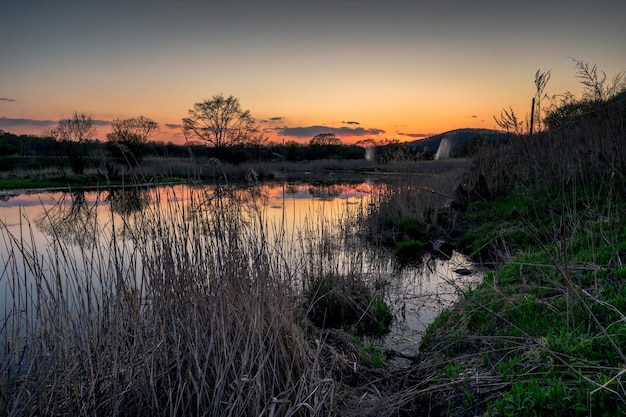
(74, 222)
(325, 191)
(128, 200)
(291, 189)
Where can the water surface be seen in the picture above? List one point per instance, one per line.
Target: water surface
(44, 221)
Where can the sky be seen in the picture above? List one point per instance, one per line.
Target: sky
(392, 70)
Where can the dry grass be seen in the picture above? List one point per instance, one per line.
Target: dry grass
(181, 310)
(421, 195)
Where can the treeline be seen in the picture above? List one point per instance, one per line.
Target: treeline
(39, 146)
(21, 147)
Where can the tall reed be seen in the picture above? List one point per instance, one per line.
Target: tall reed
(180, 309)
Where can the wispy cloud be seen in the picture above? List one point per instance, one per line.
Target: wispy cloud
(310, 131)
(7, 99)
(6, 121)
(172, 125)
(272, 120)
(415, 135)
(351, 123)
(9, 122)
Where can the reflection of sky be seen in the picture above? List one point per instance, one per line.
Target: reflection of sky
(291, 212)
(285, 207)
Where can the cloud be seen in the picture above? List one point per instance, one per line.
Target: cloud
(351, 123)
(7, 99)
(474, 116)
(310, 131)
(173, 125)
(6, 121)
(272, 120)
(414, 135)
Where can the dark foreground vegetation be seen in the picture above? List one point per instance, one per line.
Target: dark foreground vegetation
(197, 308)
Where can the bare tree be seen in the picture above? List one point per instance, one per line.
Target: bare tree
(220, 122)
(324, 139)
(79, 128)
(128, 138)
(75, 132)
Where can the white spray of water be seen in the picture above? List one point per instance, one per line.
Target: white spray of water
(443, 152)
(370, 154)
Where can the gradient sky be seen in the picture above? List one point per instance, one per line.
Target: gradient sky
(382, 70)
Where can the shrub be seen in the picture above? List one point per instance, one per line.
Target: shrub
(344, 301)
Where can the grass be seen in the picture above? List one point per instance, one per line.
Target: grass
(346, 302)
(552, 332)
(545, 333)
(191, 310)
(172, 311)
(184, 302)
(410, 207)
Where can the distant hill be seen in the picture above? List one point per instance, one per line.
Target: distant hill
(456, 137)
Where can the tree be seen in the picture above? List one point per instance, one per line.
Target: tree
(75, 132)
(220, 122)
(367, 143)
(325, 139)
(77, 129)
(128, 139)
(292, 149)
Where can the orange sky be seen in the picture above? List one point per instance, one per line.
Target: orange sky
(393, 70)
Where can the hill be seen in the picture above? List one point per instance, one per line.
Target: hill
(458, 137)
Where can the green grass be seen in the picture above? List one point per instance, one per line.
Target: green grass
(369, 353)
(549, 321)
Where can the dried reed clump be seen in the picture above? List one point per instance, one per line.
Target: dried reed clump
(337, 301)
(580, 140)
(179, 309)
(419, 197)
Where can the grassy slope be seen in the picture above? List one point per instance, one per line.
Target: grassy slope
(545, 334)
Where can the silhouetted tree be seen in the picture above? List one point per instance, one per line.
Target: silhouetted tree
(324, 145)
(220, 122)
(325, 139)
(292, 150)
(75, 132)
(128, 140)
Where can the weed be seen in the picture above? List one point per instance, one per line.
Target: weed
(337, 301)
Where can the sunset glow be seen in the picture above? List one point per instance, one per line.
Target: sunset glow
(393, 70)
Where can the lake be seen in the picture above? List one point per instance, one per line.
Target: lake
(309, 227)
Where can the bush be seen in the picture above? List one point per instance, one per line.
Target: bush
(337, 301)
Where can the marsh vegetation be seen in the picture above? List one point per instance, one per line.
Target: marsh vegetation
(192, 300)
(202, 306)
(545, 333)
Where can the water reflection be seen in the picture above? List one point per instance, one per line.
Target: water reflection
(73, 220)
(128, 200)
(326, 192)
(305, 225)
